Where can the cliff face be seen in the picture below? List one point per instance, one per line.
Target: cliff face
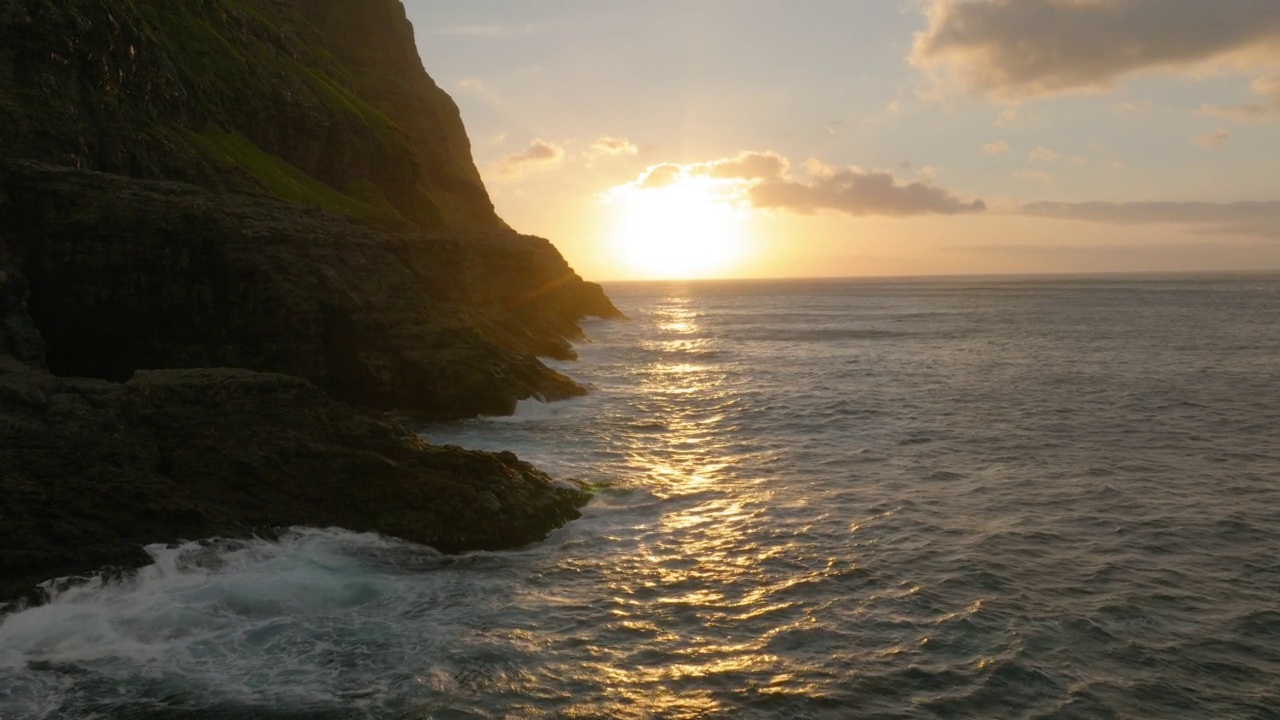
(230, 232)
(242, 94)
(123, 274)
(374, 43)
(408, 298)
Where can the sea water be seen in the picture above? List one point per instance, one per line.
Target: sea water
(1003, 498)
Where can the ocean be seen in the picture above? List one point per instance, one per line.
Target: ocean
(935, 498)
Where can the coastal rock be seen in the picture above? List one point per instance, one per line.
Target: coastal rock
(91, 470)
(128, 274)
(19, 338)
(232, 234)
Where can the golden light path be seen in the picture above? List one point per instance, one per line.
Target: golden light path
(702, 568)
(686, 229)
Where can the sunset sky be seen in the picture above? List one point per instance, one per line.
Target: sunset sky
(873, 137)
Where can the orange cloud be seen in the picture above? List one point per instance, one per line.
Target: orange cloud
(606, 146)
(762, 180)
(538, 157)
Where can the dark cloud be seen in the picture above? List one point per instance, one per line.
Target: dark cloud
(1233, 218)
(1023, 48)
(860, 193)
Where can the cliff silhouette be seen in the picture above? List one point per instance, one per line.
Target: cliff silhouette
(233, 233)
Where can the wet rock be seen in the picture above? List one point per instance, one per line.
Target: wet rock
(92, 470)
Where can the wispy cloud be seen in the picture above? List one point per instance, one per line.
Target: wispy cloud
(1232, 218)
(1037, 175)
(1042, 154)
(1122, 257)
(491, 30)
(475, 86)
(1266, 88)
(998, 147)
(540, 156)
(1014, 50)
(1213, 139)
(1134, 107)
(605, 146)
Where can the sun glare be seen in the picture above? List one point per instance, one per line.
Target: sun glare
(685, 229)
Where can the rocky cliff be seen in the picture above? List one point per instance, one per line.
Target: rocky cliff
(232, 232)
(320, 101)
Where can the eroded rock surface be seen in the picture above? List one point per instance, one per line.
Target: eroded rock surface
(128, 274)
(91, 470)
(232, 234)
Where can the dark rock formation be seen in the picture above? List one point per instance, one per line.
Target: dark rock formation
(91, 470)
(232, 232)
(323, 101)
(127, 274)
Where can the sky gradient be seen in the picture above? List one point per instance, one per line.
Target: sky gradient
(873, 137)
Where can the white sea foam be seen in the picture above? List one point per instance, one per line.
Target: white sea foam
(535, 410)
(240, 621)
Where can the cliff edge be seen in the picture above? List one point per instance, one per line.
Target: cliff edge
(232, 232)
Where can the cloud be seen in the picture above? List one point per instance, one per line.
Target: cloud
(745, 167)
(660, 176)
(996, 148)
(538, 157)
(605, 146)
(1042, 154)
(1007, 118)
(1015, 49)
(1232, 218)
(1134, 107)
(855, 192)
(477, 87)
(748, 165)
(489, 31)
(763, 180)
(1125, 257)
(1213, 139)
(1267, 88)
(1039, 175)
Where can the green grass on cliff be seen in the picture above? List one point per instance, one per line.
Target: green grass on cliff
(280, 178)
(237, 56)
(236, 52)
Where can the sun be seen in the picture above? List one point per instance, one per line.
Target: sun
(687, 228)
